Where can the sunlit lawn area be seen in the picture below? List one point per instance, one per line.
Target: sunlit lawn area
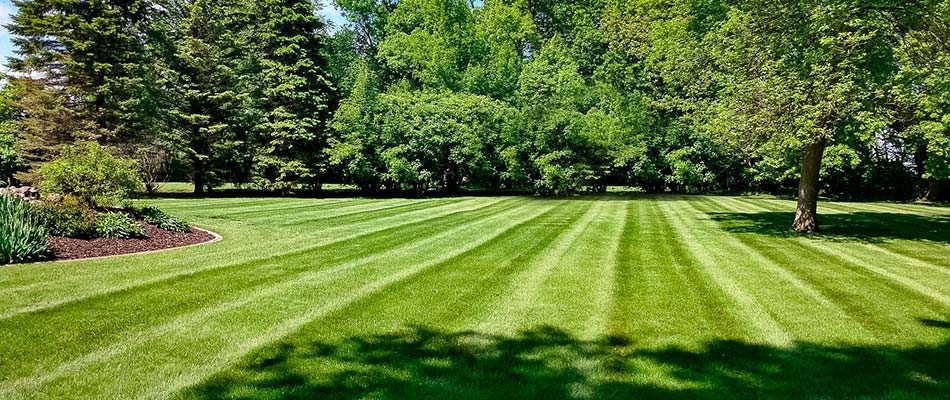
(619, 296)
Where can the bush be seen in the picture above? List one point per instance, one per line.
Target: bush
(118, 225)
(66, 216)
(161, 220)
(22, 236)
(91, 173)
(9, 160)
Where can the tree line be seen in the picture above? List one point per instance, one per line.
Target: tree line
(846, 99)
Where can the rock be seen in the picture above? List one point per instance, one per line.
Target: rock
(27, 193)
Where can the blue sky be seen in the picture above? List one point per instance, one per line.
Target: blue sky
(329, 11)
(6, 49)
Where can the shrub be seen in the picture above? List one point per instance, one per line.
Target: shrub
(91, 173)
(9, 159)
(170, 223)
(66, 216)
(118, 225)
(22, 236)
(161, 220)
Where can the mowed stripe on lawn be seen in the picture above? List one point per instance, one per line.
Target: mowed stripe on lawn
(238, 277)
(243, 324)
(663, 271)
(267, 245)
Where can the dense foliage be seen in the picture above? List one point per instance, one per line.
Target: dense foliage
(118, 225)
(837, 98)
(293, 96)
(67, 216)
(161, 220)
(9, 160)
(22, 236)
(89, 172)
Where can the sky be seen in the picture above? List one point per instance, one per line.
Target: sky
(329, 11)
(6, 49)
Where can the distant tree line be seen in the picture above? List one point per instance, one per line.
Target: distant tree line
(848, 99)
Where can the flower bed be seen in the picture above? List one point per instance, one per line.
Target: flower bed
(63, 248)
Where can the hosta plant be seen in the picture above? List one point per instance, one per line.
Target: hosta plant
(118, 225)
(161, 220)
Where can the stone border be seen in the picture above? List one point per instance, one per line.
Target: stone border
(216, 238)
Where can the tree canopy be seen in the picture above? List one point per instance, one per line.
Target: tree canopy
(844, 99)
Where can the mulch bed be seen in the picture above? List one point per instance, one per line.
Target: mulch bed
(156, 239)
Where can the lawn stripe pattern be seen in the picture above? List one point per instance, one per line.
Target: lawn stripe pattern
(225, 284)
(615, 296)
(304, 245)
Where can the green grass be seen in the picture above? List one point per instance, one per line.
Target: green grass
(593, 297)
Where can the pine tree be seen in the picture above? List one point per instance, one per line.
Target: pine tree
(48, 122)
(294, 95)
(90, 57)
(207, 100)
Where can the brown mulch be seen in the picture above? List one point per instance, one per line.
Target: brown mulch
(156, 239)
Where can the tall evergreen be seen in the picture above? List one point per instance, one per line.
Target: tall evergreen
(91, 57)
(207, 101)
(294, 95)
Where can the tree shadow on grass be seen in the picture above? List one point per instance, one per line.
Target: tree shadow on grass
(859, 227)
(935, 323)
(550, 364)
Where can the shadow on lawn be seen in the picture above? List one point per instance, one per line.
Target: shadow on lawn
(549, 364)
(859, 226)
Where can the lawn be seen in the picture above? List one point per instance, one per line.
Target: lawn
(620, 296)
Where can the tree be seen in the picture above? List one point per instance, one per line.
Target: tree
(369, 19)
(152, 163)
(356, 146)
(505, 36)
(90, 57)
(576, 24)
(295, 95)
(554, 99)
(924, 87)
(9, 159)
(46, 122)
(428, 44)
(809, 72)
(648, 72)
(206, 84)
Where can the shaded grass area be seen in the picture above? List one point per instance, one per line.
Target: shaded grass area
(546, 362)
(613, 296)
(857, 226)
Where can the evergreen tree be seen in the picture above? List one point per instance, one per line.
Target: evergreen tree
(207, 99)
(295, 95)
(90, 56)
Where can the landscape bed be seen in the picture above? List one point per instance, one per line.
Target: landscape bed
(156, 239)
(496, 297)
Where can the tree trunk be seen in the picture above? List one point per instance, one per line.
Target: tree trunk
(920, 158)
(806, 214)
(198, 177)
